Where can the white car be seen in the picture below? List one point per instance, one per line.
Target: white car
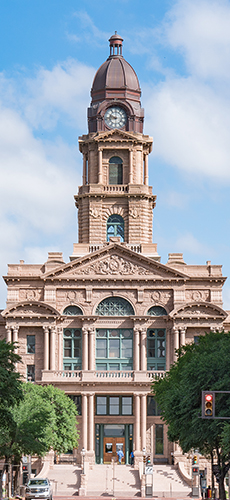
(39, 488)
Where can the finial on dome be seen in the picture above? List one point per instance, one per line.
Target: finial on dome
(115, 45)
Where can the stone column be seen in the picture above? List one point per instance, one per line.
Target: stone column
(136, 358)
(84, 179)
(91, 422)
(100, 166)
(146, 170)
(182, 336)
(85, 349)
(59, 330)
(143, 420)
(52, 347)
(91, 350)
(130, 167)
(8, 334)
(143, 350)
(84, 421)
(46, 347)
(15, 333)
(176, 341)
(137, 422)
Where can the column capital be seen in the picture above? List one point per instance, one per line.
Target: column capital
(45, 328)
(15, 328)
(53, 329)
(175, 329)
(59, 330)
(183, 329)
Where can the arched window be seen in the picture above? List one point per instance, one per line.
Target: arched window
(72, 311)
(114, 306)
(115, 170)
(115, 226)
(157, 311)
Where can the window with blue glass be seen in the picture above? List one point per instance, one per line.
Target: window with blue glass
(115, 170)
(114, 405)
(114, 306)
(114, 349)
(72, 349)
(156, 349)
(157, 311)
(72, 311)
(115, 226)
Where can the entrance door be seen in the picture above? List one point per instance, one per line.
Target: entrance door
(110, 447)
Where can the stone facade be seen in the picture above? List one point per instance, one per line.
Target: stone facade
(104, 325)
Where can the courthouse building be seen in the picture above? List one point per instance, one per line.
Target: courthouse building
(105, 324)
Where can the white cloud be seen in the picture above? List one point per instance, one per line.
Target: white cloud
(189, 243)
(200, 30)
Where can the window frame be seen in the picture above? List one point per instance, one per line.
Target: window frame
(30, 375)
(111, 362)
(117, 175)
(117, 225)
(28, 344)
(72, 363)
(108, 407)
(156, 363)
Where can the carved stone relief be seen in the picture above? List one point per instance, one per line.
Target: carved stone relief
(95, 213)
(31, 294)
(197, 295)
(113, 265)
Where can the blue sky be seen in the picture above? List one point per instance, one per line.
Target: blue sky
(50, 50)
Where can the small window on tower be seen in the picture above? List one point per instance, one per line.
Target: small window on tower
(115, 226)
(115, 170)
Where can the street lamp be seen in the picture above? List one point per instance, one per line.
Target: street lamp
(144, 459)
(83, 457)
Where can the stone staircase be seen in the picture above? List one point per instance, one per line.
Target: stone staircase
(65, 479)
(116, 480)
(168, 483)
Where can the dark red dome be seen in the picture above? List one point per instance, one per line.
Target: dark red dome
(116, 73)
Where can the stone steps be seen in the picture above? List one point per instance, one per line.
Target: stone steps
(65, 479)
(117, 480)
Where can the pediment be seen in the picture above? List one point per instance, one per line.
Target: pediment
(122, 135)
(115, 260)
(198, 310)
(30, 309)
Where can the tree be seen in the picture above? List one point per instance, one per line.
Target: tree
(202, 366)
(10, 379)
(44, 419)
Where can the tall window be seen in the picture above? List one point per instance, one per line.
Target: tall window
(153, 409)
(159, 443)
(30, 373)
(30, 344)
(114, 349)
(156, 351)
(115, 170)
(115, 226)
(72, 349)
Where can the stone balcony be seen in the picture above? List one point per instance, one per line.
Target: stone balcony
(100, 377)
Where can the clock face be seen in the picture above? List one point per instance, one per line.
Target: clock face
(115, 117)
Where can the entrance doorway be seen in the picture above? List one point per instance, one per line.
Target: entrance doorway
(111, 446)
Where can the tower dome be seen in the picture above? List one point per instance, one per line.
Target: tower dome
(115, 83)
(116, 72)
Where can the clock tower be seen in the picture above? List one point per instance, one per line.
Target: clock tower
(115, 200)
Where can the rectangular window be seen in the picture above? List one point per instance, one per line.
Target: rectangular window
(196, 339)
(30, 344)
(156, 349)
(153, 410)
(114, 349)
(101, 405)
(114, 405)
(159, 449)
(77, 401)
(72, 349)
(126, 405)
(30, 373)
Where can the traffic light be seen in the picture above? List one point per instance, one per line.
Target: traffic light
(144, 459)
(208, 404)
(148, 461)
(25, 468)
(194, 460)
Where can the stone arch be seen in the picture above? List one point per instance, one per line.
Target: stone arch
(204, 309)
(114, 306)
(72, 310)
(30, 308)
(115, 210)
(157, 310)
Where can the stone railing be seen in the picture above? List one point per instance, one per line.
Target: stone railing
(115, 187)
(92, 376)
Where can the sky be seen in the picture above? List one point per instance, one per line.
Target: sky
(50, 51)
